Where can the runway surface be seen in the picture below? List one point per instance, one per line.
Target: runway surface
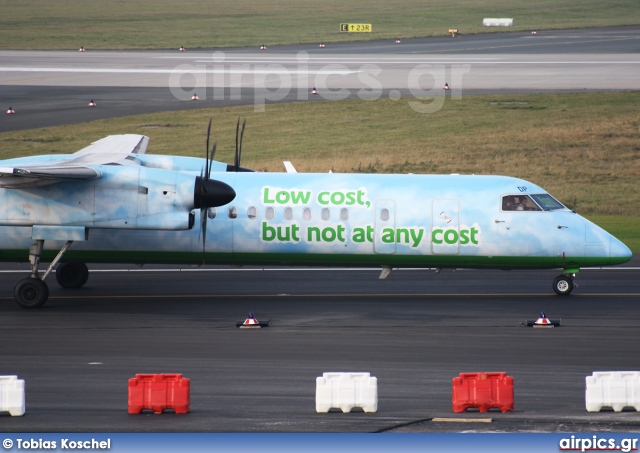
(414, 331)
(54, 88)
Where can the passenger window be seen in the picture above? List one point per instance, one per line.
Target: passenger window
(270, 213)
(252, 212)
(211, 213)
(384, 215)
(306, 214)
(325, 214)
(344, 214)
(288, 213)
(233, 212)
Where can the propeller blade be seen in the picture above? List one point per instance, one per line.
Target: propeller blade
(240, 147)
(236, 161)
(203, 230)
(213, 153)
(207, 148)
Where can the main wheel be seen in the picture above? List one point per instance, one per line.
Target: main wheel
(563, 285)
(72, 275)
(31, 293)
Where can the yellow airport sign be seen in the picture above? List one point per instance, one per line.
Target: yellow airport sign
(356, 28)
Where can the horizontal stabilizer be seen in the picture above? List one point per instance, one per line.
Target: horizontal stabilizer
(289, 166)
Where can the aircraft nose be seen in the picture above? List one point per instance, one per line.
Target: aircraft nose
(619, 251)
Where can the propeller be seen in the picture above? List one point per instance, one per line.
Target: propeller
(236, 162)
(209, 193)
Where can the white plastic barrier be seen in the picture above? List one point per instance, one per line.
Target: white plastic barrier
(12, 395)
(345, 391)
(615, 389)
(497, 22)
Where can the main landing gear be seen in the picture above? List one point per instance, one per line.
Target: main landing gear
(33, 292)
(563, 284)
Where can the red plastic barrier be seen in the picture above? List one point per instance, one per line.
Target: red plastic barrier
(483, 391)
(159, 392)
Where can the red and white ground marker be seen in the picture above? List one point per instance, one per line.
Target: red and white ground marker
(10, 111)
(252, 323)
(542, 322)
(92, 103)
(194, 97)
(314, 91)
(322, 45)
(263, 47)
(446, 87)
(81, 49)
(182, 49)
(398, 41)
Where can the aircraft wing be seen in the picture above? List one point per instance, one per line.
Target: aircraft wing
(111, 149)
(114, 149)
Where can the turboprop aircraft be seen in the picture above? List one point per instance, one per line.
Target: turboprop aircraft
(113, 203)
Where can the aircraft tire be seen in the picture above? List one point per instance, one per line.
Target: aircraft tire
(31, 293)
(563, 285)
(72, 275)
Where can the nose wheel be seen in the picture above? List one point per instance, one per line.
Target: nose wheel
(563, 285)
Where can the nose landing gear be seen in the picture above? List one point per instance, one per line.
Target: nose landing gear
(563, 284)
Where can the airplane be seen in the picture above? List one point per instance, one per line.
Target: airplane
(111, 202)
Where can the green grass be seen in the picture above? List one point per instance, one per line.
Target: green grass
(582, 148)
(168, 24)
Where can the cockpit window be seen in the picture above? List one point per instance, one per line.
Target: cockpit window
(547, 202)
(519, 203)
